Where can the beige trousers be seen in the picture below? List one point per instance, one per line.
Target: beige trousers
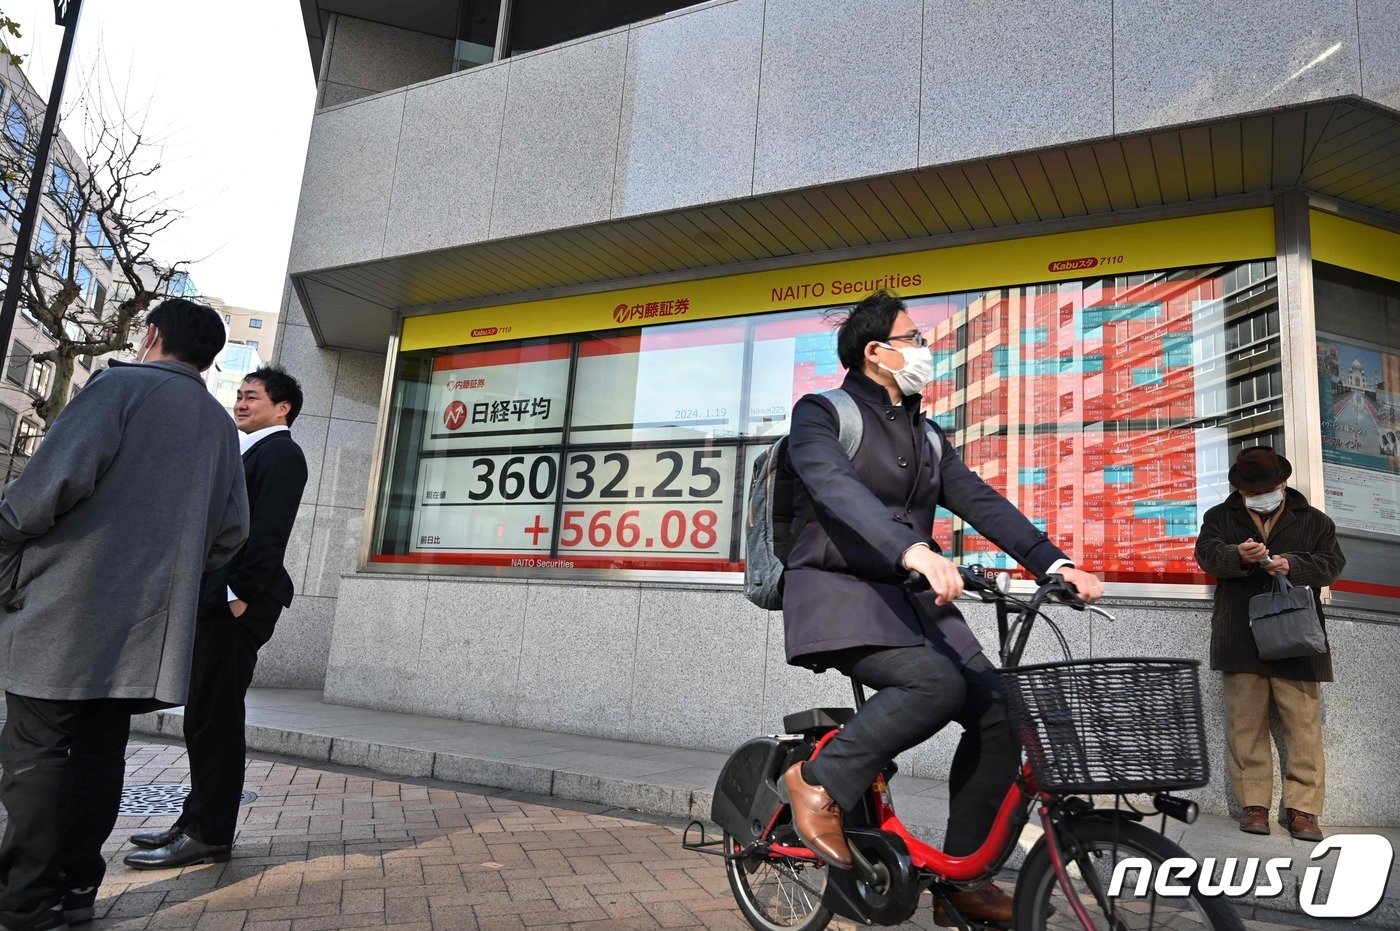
(1250, 751)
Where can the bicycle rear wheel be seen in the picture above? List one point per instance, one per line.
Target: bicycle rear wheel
(1041, 902)
(778, 894)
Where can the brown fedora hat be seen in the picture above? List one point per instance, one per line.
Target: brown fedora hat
(1259, 469)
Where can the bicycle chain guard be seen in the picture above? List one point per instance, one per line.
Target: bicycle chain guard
(849, 896)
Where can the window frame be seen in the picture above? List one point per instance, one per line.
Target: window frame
(9, 423)
(14, 113)
(40, 380)
(27, 432)
(20, 355)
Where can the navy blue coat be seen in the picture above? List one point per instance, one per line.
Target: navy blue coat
(857, 516)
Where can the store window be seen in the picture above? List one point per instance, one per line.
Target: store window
(1107, 409)
(1358, 345)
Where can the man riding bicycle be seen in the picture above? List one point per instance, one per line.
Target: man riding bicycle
(863, 523)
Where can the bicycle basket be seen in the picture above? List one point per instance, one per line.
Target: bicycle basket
(1108, 726)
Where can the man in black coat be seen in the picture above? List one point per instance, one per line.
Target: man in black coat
(1262, 515)
(239, 608)
(862, 523)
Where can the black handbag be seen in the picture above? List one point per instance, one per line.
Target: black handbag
(1285, 622)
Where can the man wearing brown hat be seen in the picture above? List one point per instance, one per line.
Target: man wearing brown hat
(1262, 528)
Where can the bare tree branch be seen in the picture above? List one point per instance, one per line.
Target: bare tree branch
(105, 208)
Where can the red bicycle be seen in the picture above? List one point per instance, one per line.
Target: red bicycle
(1108, 727)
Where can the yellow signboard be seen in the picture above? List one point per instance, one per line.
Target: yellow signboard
(1362, 248)
(1178, 243)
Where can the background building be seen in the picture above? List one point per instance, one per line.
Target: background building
(556, 279)
(232, 365)
(248, 327)
(24, 381)
(252, 336)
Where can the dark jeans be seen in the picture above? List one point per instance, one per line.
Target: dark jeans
(62, 785)
(225, 654)
(920, 690)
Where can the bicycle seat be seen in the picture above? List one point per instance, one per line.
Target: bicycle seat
(817, 719)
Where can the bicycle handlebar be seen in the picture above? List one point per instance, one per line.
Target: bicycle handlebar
(975, 580)
(1051, 586)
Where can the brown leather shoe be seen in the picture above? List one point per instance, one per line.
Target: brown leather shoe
(817, 818)
(1255, 820)
(988, 905)
(1302, 825)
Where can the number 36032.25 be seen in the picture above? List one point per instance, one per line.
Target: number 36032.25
(600, 476)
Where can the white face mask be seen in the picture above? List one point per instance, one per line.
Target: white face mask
(917, 371)
(1266, 503)
(146, 345)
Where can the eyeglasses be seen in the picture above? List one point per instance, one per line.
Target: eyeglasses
(913, 338)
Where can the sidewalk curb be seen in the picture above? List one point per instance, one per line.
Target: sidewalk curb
(617, 792)
(670, 801)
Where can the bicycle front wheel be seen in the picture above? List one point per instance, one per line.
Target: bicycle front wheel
(1102, 845)
(778, 894)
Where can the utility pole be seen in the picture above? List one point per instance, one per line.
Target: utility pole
(65, 14)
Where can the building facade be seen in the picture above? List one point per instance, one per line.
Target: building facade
(24, 381)
(555, 281)
(248, 327)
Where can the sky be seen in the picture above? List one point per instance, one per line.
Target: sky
(229, 87)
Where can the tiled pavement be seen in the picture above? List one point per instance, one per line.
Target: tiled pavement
(324, 849)
(662, 780)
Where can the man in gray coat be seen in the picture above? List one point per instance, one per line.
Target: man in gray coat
(134, 494)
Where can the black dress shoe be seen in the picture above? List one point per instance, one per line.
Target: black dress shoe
(152, 840)
(182, 851)
(78, 905)
(44, 921)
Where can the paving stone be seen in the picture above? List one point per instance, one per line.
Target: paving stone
(308, 857)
